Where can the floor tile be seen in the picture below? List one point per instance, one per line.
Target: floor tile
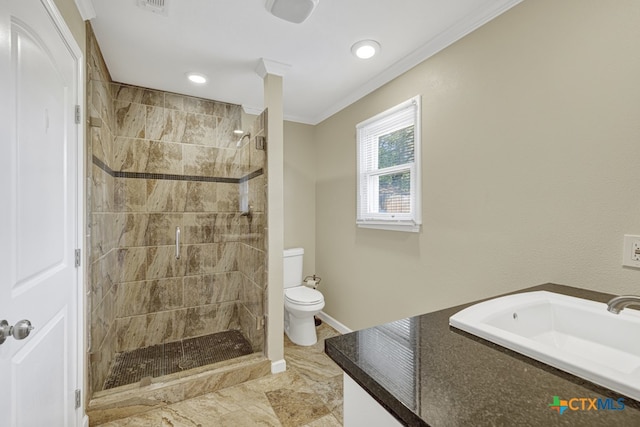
(296, 408)
(308, 394)
(326, 421)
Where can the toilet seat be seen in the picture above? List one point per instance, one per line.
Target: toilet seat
(303, 295)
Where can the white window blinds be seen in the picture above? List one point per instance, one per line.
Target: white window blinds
(389, 169)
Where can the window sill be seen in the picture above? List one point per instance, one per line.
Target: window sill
(409, 228)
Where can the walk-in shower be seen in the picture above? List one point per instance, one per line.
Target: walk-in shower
(177, 273)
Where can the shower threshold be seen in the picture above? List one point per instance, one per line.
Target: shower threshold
(163, 359)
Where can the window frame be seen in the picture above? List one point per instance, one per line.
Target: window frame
(367, 216)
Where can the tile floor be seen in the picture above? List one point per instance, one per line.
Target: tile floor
(309, 394)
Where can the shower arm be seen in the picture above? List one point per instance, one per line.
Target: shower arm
(245, 135)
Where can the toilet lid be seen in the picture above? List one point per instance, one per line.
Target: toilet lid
(303, 295)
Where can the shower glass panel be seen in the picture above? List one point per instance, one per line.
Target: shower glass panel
(160, 300)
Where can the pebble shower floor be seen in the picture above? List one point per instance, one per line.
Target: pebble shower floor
(132, 366)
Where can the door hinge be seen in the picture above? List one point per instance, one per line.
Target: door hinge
(78, 398)
(78, 255)
(78, 115)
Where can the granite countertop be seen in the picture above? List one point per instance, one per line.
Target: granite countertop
(425, 372)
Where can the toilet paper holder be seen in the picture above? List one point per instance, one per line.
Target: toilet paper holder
(312, 281)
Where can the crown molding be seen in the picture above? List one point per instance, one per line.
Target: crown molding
(86, 9)
(267, 66)
(250, 109)
(426, 51)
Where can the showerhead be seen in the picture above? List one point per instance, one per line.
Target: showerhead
(244, 135)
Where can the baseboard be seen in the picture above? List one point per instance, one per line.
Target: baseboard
(278, 366)
(333, 323)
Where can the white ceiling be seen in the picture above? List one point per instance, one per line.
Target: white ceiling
(226, 39)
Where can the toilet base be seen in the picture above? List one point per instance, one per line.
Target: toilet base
(301, 331)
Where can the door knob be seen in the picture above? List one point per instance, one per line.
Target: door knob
(5, 330)
(20, 331)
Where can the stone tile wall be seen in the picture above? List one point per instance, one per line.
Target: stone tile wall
(101, 217)
(253, 245)
(161, 161)
(176, 165)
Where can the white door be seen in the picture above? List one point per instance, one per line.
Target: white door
(38, 215)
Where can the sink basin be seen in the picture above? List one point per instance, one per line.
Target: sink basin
(572, 334)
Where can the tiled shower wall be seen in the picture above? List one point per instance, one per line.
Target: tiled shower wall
(161, 161)
(252, 258)
(103, 257)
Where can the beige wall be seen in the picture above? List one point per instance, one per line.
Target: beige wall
(531, 148)
(69, 12)
(300, 192)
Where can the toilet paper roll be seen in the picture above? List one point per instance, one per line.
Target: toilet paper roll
(311, 283)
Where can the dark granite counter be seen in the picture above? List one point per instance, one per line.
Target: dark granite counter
(425, 372)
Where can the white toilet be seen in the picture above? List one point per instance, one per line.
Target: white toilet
(301, 302)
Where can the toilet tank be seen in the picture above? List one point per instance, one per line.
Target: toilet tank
(293, 267)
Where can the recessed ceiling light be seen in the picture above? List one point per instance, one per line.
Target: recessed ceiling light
(197, 78)
(238, 131)
(365, 49)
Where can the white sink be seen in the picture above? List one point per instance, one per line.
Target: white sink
(572, 334)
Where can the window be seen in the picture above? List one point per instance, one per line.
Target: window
(389, 169)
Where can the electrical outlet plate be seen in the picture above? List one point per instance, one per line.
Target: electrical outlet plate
(635, 251)
(631, 251)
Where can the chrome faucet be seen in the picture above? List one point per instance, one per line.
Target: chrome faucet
(615, 305)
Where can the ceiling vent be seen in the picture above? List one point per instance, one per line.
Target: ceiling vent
(155, 6)
(295, 11)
